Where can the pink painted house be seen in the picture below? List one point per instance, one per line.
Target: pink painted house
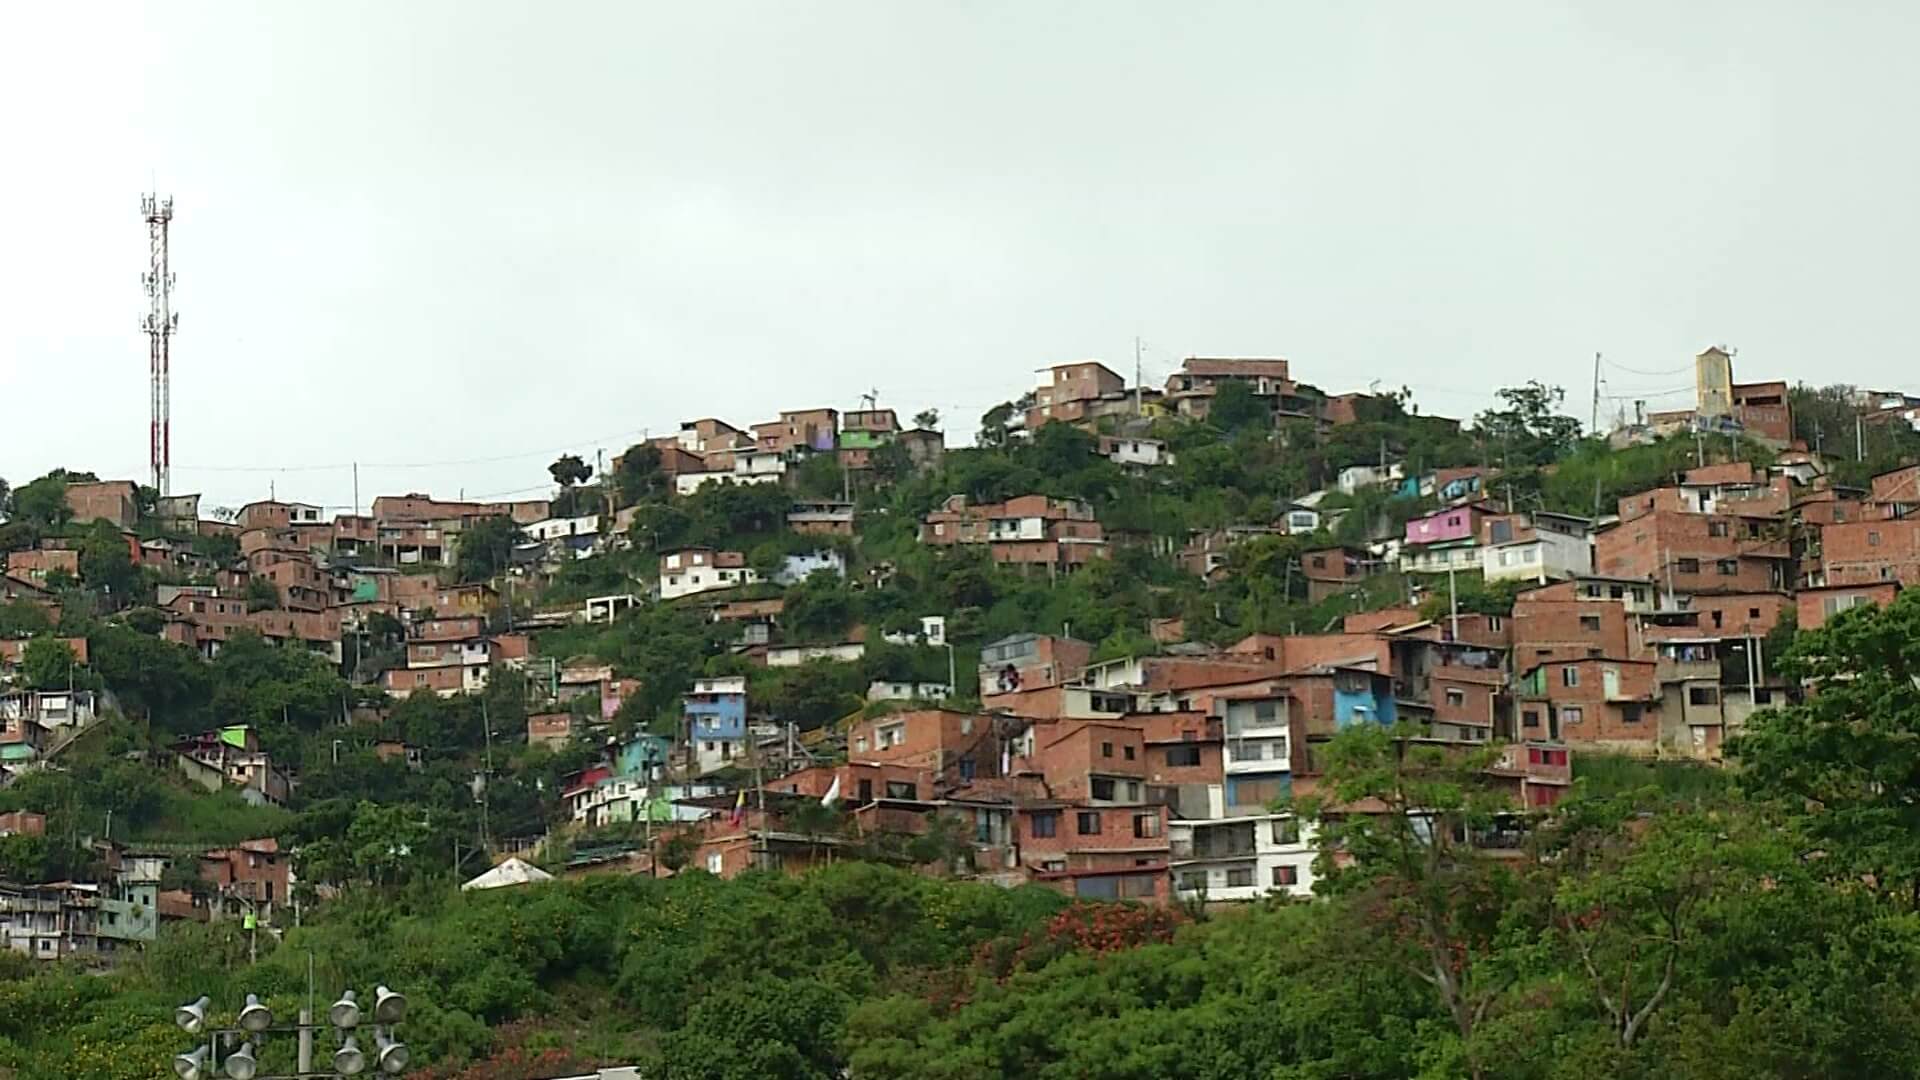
(1452, 524)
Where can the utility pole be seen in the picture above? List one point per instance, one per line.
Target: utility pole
(1139, 409)
(1453, 603)
(356, 489)
(1593, 428)
(486, 784)
(1859, 438)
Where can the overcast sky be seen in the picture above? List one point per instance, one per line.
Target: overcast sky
(419, 233)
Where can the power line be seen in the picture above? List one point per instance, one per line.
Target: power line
(414, 464)
(1637, 371)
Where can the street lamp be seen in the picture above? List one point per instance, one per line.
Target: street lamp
(242, 1043)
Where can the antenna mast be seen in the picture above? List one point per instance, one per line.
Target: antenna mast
(159, 326)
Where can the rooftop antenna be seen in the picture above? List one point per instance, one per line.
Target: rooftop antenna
(159, 325)
(871, 399)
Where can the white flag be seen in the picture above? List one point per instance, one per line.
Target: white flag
(934, 629)
(833, 792)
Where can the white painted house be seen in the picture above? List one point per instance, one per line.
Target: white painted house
(697, 570)
(1139, 452)
(1554, 547)
(1241, 858)
(802, 566)
(882, 690)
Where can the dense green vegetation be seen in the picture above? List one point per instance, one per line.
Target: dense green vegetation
(1669, 920)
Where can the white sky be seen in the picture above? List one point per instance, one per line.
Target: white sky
(435, 232)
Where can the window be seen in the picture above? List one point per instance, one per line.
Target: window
(1045, 824)
(1716, 528)
(1530, 718)
(860, 744)
(1286, 831)
(1873, 538)
(1703, 695)
(1146, 826)
(1456, 697)
(1088, 822)
(1727, 567)
(902, 789)
(1762, 696)
(1193, 881)
(1570, 714)
(715, 862)
(1688, 566)
(1569, 676)
(1286, 875)
(1590, 622)
(966, 768)
(1629, 714)
(1493, 623)
(1240, 878)
(1127, 752)
(1183, 755)
(1102, 788)
(866, 791)
(1106, 749)
(1319, 562)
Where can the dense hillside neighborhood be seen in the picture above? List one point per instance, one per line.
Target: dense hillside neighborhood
(1179, 646)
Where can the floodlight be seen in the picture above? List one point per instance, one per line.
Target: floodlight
(193, 1016)
(348, 1060)
(241, 1064)
(256, 1017)
(345, 1013)
(188, 1066)
(388, 1007)
(390, 1054)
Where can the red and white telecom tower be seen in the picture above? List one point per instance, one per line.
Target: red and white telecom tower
(159, 325)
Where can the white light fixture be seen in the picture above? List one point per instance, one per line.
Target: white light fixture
(345, 1013)
(388, 1007)
(241, 1064)
(390, 1054)
(187, 1066)
(192, 1016)
(256, 1017)
(348, 1060)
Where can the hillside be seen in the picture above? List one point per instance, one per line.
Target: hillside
(824, 726)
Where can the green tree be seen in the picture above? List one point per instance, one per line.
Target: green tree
(47, 663)
(485, 548)
(262, 595)
(1235, 407)
(929, 419)
(23, 858)
(1414, 865)
(19, 619)
(388, 843)
(1850, 751)
(568, 470)
(106, 565)
(994, 424)
(1528, 429)
(44, 501)
(637, 476)
(222, 548)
